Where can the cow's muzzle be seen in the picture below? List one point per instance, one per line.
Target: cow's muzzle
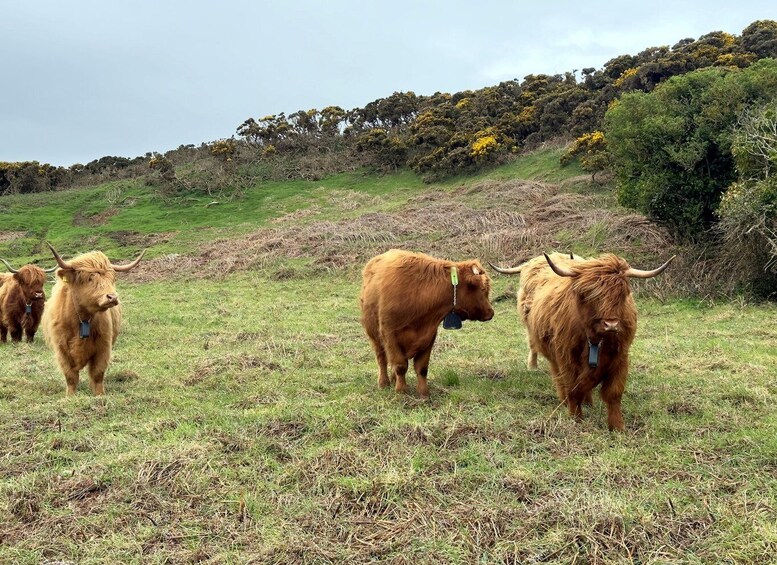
(110, 301)
(612, 326)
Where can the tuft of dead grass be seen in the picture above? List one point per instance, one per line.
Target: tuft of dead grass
(512, 220)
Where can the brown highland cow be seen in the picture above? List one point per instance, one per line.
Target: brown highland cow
(583, 319)
(21, 301)
(404, 298)
(83, 317)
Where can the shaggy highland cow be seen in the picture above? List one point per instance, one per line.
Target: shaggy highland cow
(21, 301)
(83, 317)
(582, 318)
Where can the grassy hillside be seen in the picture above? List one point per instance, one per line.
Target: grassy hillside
(242, 421)
(123, 216)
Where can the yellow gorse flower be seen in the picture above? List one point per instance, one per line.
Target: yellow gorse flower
(483, 145)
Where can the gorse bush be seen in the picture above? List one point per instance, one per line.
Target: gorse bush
(591, 149)
(671, 149)
(748, 209)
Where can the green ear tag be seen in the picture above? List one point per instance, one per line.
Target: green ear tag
(452, 320)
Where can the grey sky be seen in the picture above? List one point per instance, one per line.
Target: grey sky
(84, 79)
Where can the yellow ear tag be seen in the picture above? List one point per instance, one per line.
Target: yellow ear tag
(64, 279)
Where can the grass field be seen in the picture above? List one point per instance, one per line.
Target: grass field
(242, 423)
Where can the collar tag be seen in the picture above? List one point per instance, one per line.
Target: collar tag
(28, 309)
(83, 330)
(593, 354)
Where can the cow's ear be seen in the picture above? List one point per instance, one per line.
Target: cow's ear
(475, 270)
(67, 275)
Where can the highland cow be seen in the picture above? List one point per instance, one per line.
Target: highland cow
(83, 317)
(21, 301)
(582, 318)
(404, 298)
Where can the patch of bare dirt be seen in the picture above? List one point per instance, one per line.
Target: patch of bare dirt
(82, 219)
(6, 236)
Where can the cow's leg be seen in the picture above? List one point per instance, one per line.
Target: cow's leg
(30, 330)
(559, 381)
(3, 333)
(380, 357)
(612, 392)
(71, 378)
(397, 360)
(69, 369)
(97, 366)
(421, 366)
(588, 400)
(400, 370)
(16, 332)
(531, 361)
(579, 393)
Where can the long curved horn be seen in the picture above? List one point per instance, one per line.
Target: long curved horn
(506, 271)
(636, 273)
(59, 259)
(122, 268)
(560, 271)
(51, 270)
(9, 266)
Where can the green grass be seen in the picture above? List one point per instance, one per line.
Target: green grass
(242, 420)
(237, 429)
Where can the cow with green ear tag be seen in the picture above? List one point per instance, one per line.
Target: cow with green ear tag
(404, 298)
(83, 317)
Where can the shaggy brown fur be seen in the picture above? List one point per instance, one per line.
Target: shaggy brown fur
(593, 306)
(86, 292)
(531, 279)
(17, 291)
(404, 298)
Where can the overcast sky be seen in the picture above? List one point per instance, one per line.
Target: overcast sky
(83, 79)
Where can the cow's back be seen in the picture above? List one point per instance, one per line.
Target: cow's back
(535, 274)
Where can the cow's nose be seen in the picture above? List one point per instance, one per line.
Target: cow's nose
(112, 297)
(38, 295)
(489, 314)
(611, 325)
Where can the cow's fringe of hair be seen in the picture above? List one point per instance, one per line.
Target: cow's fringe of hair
(601, 278)
(93, 261)
(29, 275)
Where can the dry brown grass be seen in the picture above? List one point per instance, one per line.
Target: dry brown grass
(513, 220)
